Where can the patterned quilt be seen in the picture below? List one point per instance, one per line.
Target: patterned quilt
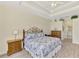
(42, 46)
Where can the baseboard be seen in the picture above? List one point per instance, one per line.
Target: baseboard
(75, 42)
(3, 55)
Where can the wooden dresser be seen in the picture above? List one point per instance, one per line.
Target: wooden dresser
(14, 46)
(56, 34)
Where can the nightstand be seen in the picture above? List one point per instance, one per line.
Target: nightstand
(14, 46)
(56, 34)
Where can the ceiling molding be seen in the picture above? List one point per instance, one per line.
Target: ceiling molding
(26, 5)
(63, 7)
(60, 12)
(37, 8)
(44, 8)
(36, 11)
(67, 12)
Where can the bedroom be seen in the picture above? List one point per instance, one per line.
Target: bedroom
(18, 15)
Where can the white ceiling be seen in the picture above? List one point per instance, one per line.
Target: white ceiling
(62, 8)
(47, 4)
(44, 8)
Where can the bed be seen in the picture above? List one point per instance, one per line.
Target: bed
(39, 45)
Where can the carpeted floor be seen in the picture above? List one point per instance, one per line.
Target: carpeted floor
(68, 50)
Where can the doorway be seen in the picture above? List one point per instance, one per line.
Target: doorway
(67, 29)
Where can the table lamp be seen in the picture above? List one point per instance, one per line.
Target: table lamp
(15, 33)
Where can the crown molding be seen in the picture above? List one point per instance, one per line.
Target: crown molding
(26, 5)
(37, 11)
(67, 12)
(64, 7)
(62, 12)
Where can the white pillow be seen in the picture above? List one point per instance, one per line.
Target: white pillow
(40, 34)
(30, 36)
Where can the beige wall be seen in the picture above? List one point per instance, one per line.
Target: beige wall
(17, 18)
(56, 25)
(2, 29)
(59, 26)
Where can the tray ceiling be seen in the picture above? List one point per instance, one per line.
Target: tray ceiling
(46, 9)
(62, 8)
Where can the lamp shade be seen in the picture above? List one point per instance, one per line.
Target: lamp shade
(15, 32)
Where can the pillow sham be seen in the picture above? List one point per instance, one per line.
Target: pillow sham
(34, 35)
(30, 36)
(40, 34)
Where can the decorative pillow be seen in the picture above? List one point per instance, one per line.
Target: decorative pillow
(34, 35)
(40, 34)
(30, 36)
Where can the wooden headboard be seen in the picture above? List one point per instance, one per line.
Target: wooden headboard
(31, 30)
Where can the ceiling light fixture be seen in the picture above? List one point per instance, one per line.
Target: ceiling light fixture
(53, 4)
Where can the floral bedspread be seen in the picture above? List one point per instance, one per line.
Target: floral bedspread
(42, 46)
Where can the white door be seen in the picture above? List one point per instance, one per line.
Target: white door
(75, 31)
(67, 24)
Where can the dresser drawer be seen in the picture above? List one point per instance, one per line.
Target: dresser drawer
(11, 48)
(11, 44)
(56, 34)
(18, 46)
(14, 46)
